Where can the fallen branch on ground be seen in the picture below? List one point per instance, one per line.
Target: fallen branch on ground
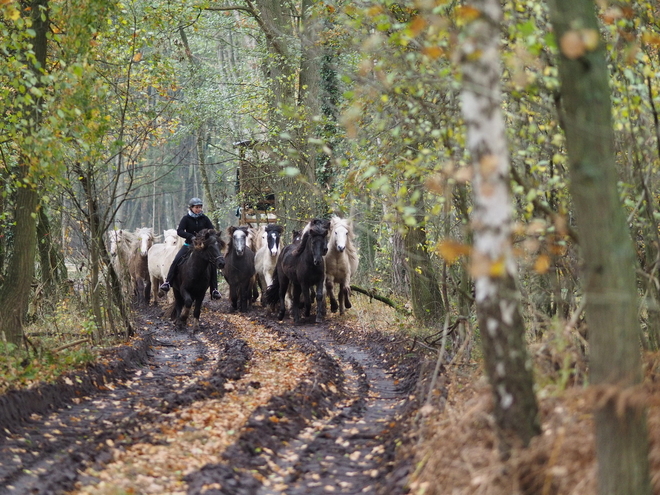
(372, 294)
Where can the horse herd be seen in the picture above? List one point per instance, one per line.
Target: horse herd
(254, 262)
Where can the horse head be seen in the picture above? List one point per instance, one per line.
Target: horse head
(145, 237)
(339, 237)
(273, 234)
(318, 236)
(170, 237)
(256, 237)
(208, 243)
(238, 240)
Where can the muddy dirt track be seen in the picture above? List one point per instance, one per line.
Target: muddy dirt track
(247, 405)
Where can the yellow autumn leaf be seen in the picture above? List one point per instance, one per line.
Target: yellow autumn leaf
(12, 14)
(572, 45)
(542, 264)
(497, 269)
(450, 251)
(137, 57)
(651, 39)
(467, 13)
(417, 25)
(591, 38)
(433, 52)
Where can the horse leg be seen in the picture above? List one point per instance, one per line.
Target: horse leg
(284, 288)
(185, 311)
(263, 286)
(255, 286)
(320, 303)
(196, 313)
(183, 318)
(295, 308)
(176, 310)
(244, 293)
(233, 297)
(342, 297)
(153, 285)
(330, 289)
(147, 291)
(347, 294)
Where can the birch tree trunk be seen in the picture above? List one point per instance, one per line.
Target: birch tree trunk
(609, 257)
(493, 267)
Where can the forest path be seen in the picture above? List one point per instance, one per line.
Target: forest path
(246, 405)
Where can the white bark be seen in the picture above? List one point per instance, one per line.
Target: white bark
(493, 264)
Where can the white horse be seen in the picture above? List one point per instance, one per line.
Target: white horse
(161, 256)
(265, 258)
(256, 238)
(341, 263)
(121, 243)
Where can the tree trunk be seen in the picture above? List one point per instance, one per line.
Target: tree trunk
(609, 258)
(51, 260)
(502, 329)
(15, 292)
(424, 287)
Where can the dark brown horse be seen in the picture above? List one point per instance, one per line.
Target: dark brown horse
(194, 276)
(239, 269)
(301, 264)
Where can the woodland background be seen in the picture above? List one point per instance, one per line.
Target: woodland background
(115, 113)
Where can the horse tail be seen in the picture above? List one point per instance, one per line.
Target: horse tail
(273, 291)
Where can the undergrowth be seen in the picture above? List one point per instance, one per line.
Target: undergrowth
(55, 342)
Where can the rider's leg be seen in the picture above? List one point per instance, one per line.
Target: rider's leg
(165, 286)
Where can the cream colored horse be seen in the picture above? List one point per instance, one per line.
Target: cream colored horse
(161, 256)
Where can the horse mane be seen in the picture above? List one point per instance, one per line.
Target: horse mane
(205, 234)
(144, 230)
(336, 221)
(316, 226)
(123, 239)
(272, 227)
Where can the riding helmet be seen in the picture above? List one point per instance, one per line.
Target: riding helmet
(195, 202)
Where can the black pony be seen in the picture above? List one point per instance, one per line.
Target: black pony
(194, 276)
(301, 264)
(239, 269)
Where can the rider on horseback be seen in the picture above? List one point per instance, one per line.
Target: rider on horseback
(190, 224)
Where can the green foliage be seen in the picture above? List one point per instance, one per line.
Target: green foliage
(45, 356)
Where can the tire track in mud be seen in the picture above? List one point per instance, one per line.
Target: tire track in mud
(338, 426)
(45, 453)
(344, 453)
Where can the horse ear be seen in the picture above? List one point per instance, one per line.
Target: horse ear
(230, 230)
